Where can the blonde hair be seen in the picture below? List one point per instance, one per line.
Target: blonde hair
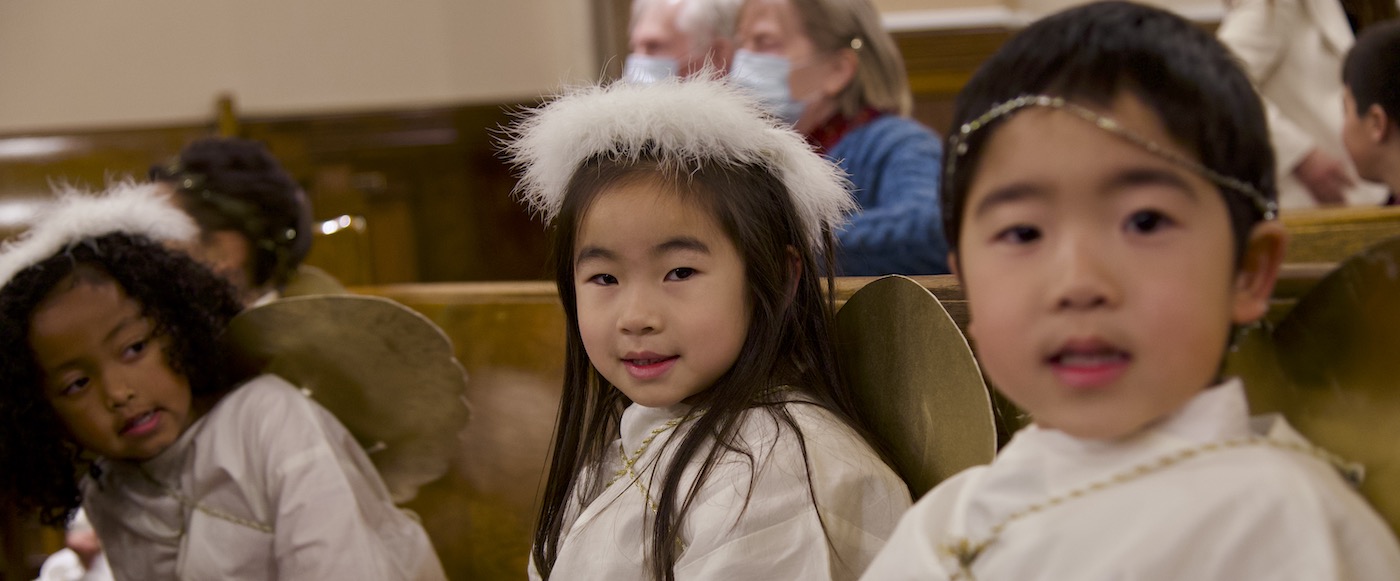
(880, 80)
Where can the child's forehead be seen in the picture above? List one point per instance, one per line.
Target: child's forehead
(645, 203)
(1124, 122)
(90, 276)
(1035, 133)
(1056, 144)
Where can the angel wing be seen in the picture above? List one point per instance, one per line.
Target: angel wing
(1331, 366)
(916, 381)
(386, 372)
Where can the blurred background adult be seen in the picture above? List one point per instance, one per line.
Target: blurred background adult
(1293, 50)
(679, 37)
(829, 68)
(254, 220)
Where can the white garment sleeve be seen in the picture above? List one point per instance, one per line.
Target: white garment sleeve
(333, 516)
(1256, 31)
(775, 532)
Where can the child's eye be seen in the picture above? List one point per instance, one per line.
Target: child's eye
(603, 279)
(1147, 221)
(74, 386)
(1020, 234)
(137, 348)
(680, 273)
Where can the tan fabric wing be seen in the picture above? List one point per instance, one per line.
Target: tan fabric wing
(916, 380)
(1332, 367)
(386, 372)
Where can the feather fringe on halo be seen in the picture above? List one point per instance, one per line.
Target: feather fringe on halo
(78, 215)
(687, 122)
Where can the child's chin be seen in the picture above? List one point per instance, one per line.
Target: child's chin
(149, 451)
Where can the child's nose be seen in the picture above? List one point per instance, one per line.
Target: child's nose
(118, 391)
(1083, 279)
(639, 313)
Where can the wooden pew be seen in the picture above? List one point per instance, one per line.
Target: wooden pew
(510, 338)
(1333, 234)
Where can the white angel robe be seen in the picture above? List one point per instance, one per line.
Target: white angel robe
(282, 490)
(776, 537)
(1254, 512)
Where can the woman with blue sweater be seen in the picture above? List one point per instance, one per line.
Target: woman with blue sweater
(830, 69)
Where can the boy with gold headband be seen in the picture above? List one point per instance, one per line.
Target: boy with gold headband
(1111, 212)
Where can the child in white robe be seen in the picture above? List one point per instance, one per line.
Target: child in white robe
(1111, 206)
(704, 431)
(112, 364)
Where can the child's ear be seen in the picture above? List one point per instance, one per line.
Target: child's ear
(794, 268)
(1258, 271)
(1379, 126)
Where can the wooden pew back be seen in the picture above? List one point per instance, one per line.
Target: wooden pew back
(510, 338)
(1332, 234)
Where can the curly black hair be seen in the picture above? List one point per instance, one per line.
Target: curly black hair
(236, 184)
(39, 462)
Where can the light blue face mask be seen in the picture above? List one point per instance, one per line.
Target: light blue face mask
(644, 69)
(765, 76)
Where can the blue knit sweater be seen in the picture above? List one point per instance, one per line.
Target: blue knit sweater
(895, 164)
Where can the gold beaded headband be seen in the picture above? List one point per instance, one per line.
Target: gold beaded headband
(959, 144)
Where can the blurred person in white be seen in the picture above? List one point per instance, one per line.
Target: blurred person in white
(81, 560)
(671, 38)
(1292, 50)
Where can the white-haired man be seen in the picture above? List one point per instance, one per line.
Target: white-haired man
(679, 37)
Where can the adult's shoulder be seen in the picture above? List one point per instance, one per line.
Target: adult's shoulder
(885, 140)
(891, 127)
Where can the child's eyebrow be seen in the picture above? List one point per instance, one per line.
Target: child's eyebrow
(1007, 194)
(122, 325)
(1148, 176)
(682, 243)
(594, 253)
(1124, 180)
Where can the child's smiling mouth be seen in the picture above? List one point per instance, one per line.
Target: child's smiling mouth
(1088, 363)
(647, 365)
(141, 424)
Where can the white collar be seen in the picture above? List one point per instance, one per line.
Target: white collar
(638, 421)
(1050, 461)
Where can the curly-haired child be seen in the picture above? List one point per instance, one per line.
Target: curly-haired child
(192, 467)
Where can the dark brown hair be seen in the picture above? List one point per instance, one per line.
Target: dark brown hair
(191, 306)
(1094, 53)
(788, 343)
(235, 184)
(1372, 70)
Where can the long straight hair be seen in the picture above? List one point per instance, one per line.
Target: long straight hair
(788, 343)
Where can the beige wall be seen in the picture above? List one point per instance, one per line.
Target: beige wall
(122, 63)
(92, 63)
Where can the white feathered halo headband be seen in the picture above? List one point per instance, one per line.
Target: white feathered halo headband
(77, 216)
(681, 123)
